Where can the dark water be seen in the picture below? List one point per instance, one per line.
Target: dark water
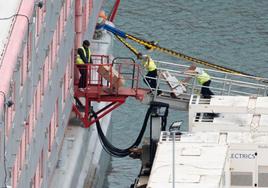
(232, 33)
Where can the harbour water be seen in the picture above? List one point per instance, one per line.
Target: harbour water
(232, 33)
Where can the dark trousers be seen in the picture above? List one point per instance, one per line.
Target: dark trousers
(151, 81)
(83, 77)
(205, 91)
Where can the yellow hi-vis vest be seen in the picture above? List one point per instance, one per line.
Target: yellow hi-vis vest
(79, 61)
(149, 65)
(202, 78)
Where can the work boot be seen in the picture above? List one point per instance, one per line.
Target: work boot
(159, 92)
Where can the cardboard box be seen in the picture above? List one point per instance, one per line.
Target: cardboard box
(105, 72)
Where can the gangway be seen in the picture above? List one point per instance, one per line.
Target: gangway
(222, 84)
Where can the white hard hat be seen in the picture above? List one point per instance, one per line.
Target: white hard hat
(144, 56)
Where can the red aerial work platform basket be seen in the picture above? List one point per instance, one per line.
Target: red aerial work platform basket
(106, 82)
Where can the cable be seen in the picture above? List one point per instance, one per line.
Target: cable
(183, 56)
(153, 46)
(116, 152)
(109, 148)
(4, 142)
(5, 102)
(28, 34)
(3, 93)
(131, 48)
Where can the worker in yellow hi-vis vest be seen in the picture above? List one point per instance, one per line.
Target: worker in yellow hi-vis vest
(83, 57)
(151, 68)
(203, 79)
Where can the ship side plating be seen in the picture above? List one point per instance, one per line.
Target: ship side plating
(37, 59)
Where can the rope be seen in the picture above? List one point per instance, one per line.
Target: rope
(131, 48)
(182, 56)
(185, 57)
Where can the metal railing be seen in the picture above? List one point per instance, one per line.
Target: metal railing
(103, 73)
(221, 83)
(128, 69)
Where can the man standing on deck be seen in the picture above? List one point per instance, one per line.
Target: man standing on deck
(151, 75)
(83, 58)
(203, 79)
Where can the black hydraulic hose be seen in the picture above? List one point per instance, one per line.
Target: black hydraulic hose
(114, 151)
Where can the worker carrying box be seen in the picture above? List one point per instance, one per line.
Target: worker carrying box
(105, 71)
